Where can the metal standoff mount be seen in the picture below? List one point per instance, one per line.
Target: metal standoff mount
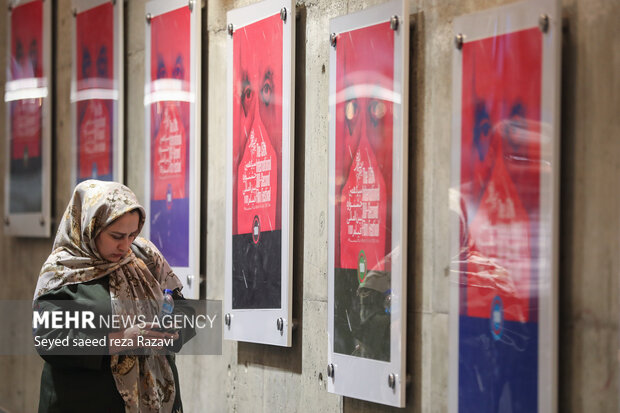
(458, 41)
(332, 39)
(190, 280)
(190, 5)
(42, 221)
(330, 370)
(391, 381)
(283, 14)
(394, 23)
(148, 18)
(543, 23)
(230, 29)
(227, 319)
(280, 324)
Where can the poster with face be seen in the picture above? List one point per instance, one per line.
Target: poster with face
(26, 114)
(502, 174)
(363, 191)
(169, 136)
(257, 164)
(367, 209)
(95, 52)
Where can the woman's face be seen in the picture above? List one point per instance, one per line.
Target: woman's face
(114, 241)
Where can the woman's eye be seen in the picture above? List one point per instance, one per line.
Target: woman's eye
(178, 72)
(266, 93)
(377, 110)
(247, 93)
(350, 109)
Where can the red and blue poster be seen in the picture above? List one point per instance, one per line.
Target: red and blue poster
(500, 175)
(363, 191)
(95, 71)
(170, 200)
(26, 115)
(257, 164)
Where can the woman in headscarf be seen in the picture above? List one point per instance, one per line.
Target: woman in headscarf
(99, 263)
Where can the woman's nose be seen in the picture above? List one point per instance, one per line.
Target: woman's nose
(124, 244)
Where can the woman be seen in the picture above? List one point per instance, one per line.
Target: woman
(100, 265)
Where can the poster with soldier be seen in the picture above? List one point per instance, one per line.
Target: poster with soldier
(363, 192)
(260, 168)
(28, 113)
(503, 197)
(367, 197)
(96, 88)
(172, 125)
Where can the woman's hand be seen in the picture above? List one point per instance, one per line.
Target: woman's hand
(139, 336)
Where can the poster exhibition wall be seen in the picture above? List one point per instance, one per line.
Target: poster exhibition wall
(28, 112)
(367, 262)
(259, 173)
(97, 91)
(172, 131)
(504, 199)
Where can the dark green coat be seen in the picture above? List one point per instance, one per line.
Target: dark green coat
(84, 383)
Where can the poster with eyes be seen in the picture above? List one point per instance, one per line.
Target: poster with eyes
(28, 106)
(260, 173)
(504, 200)
(172, 128)
(96, 91)
(368, 203)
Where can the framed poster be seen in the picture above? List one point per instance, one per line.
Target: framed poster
(259, 173)
(368, 87)
(28, 113)
(172, 107)
(96, 90)
(504, 195)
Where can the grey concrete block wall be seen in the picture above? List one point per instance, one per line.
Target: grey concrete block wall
(250, 377)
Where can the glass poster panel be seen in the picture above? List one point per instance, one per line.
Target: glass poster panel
(27, 97)
(260, 173)
(95, 90)
(504, 196)
(171, 101)
(368, 176)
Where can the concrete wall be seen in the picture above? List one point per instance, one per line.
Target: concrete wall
(249, 377)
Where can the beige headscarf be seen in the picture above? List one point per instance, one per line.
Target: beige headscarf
(145, 382)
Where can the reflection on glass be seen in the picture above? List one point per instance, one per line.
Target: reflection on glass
(362, 273)
(170, 136)
(498, 261)
(26, 115)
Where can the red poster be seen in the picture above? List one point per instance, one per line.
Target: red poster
(257, 164)
(365, 77)
(500, 170)
(170, 59)
(365, 100)
(95, 70)
(257, 125)
(170, 68)
(500, 175)
(26, 63)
